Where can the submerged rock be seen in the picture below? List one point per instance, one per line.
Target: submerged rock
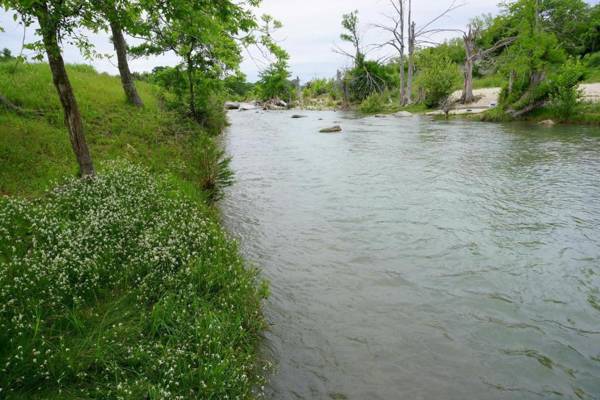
(548, 123)
(333, 129)
(295, 116)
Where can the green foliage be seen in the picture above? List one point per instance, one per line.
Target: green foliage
(320, 87)
(371, 77)
(6, 55)
(208, 106)
(375, 103)
(237, 88)
(437, 77)
(275, 82)
(593, 60)
(564, 93)
(215, 173)
(38, 150)
(126, 290)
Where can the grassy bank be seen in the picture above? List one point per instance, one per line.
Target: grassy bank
(37, 148)
(125, 286)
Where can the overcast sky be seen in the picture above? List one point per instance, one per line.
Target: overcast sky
(311, 30)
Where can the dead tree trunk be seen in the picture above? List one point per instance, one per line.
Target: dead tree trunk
(411, 61)
(126, 78)
(65, 92)
(470, 51)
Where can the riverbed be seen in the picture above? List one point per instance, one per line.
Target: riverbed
(411, 258)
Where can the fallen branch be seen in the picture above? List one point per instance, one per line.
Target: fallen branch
(527, 109)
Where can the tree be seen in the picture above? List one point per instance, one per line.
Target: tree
(437, 77)
(203, 34)
(57, 20)
(530, 60)
(121, 15)
(351, 34)
(274, 80)
(422, 35)
(474, 53)
(397, 41)
(6, 55)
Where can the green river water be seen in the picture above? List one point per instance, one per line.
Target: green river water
(419, 259)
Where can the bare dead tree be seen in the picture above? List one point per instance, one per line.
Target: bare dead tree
(396, 29)
(421, 35)
(474, 54)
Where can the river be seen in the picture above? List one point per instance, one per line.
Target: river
(419, 259)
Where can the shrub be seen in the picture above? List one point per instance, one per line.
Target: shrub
(370, 77)
(437, 77)
(214, 170)
(118, 287)
(564, 93)
(375, 103)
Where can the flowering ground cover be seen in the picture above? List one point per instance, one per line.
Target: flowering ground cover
(122, 287)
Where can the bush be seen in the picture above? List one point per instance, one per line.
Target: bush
(593, 60)
(375, 103)
(437, 77)
(118, 287)
(215, 173)
(371, 77)
(564, 93)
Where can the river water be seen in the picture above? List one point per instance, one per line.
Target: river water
(420, 259)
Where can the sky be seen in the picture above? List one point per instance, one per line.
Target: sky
(310, 33)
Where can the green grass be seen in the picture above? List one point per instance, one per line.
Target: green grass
(124, 286)
(586, 114)
(37, 152)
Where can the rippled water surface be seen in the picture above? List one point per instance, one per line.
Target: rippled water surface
(420, 259)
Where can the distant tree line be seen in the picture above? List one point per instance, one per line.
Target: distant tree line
(538, 51)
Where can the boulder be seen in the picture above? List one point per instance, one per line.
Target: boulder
(246, 107)
(232, 105)
(333, 129)
(403, 114)
(548, 123)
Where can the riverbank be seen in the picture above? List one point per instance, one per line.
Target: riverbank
(124, 286)
(484, 108)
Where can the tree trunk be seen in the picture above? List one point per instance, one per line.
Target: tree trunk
(411, 62)
(467, 94)
(65, 92)
(126, 77)
(190, 74)
(469, 42)
(402, 79)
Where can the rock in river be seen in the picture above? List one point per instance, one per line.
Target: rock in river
(299, 116)
(333, 129)
(549, 123)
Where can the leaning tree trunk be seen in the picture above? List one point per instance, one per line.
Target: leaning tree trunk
(126, 78)
(65, 93)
